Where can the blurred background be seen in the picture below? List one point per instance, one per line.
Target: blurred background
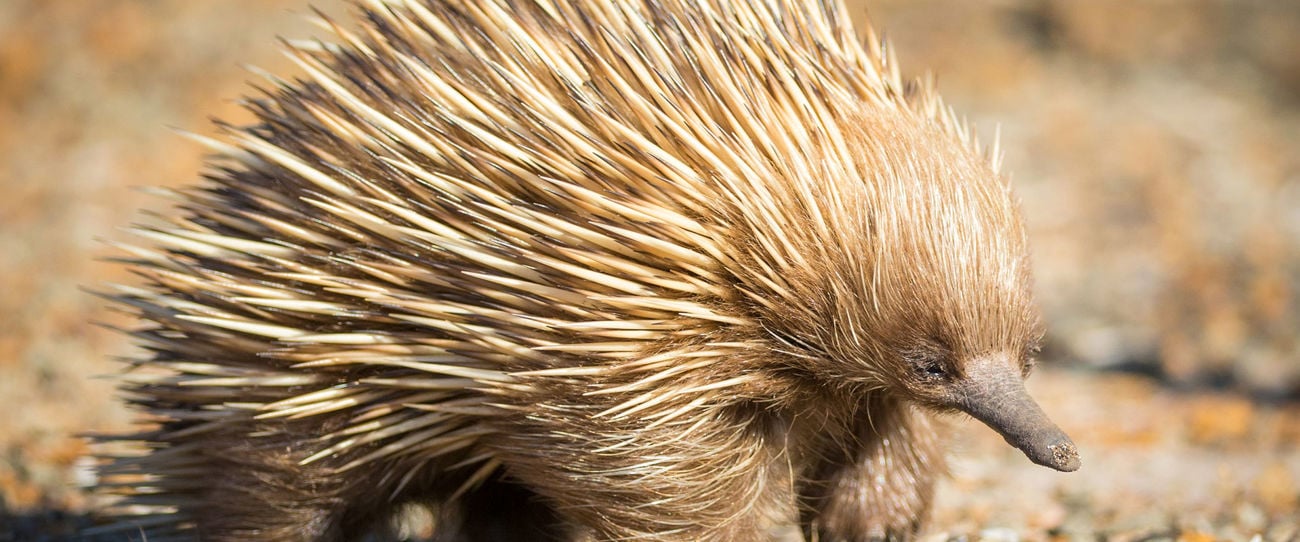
(1156, 146)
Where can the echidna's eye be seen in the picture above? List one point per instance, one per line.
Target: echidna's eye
(927, 360)
(932, 369)
(928, 367)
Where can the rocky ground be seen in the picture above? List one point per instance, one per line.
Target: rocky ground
(1156, 145)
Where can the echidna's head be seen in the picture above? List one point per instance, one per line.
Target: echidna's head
(915, 282)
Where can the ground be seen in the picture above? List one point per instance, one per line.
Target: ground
(1156, 146)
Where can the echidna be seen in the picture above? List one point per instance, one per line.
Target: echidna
(578, 269)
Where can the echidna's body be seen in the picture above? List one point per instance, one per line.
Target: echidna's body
(667, 270)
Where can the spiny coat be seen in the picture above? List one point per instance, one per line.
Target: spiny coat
(652, 270)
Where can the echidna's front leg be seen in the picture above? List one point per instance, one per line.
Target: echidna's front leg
(879, 487)
(705, 476)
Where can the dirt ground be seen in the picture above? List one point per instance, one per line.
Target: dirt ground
(1156, 146)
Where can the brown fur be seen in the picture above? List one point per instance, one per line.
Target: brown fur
(652, 271)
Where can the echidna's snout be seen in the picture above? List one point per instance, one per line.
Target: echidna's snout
(995, 394)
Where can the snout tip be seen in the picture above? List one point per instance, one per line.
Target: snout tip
(1059, 455)
(1064, 457)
